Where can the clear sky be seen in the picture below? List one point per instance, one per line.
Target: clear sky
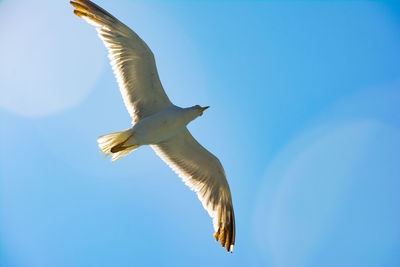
(304, 116)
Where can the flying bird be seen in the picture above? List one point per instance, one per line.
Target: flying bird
(157, 122)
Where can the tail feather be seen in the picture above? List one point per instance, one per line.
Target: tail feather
(115, 144)
(116, 156)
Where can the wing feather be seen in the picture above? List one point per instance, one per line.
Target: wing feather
(131, 59)
(203, 173)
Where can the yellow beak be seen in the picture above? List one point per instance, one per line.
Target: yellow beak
(202, 109)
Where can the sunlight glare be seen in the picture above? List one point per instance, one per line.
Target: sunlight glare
(37, 74)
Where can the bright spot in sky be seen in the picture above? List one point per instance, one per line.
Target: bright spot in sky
(38, 75)
(341, 188)
(333, 189)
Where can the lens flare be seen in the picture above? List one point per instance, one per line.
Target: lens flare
(38, 75)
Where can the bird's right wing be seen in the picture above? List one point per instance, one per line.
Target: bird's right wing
(203, 173)
(131, 59)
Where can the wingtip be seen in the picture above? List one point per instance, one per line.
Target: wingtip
(216, 235)
(80, 9)
(74, 4)
(77, 5)
(78, 13)
(221, 237)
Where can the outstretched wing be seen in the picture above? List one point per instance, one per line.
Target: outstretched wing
(203, 173)
(131, 59)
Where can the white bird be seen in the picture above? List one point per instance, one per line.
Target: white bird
(159, 123)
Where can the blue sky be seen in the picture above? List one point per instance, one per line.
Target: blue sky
(304, 117)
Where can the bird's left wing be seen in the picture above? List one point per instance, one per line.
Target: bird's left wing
(203, 173)
(131, 59)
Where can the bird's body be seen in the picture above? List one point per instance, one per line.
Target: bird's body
(151, 130)
(157, 122)
(163, 125)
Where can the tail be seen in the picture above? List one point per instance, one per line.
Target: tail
(116, 144)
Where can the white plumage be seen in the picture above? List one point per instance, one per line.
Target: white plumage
(159, 123)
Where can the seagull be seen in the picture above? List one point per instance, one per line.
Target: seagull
(157, 122)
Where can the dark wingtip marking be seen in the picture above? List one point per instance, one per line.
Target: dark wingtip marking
(77, 5)
(79, 14)
(224, 240)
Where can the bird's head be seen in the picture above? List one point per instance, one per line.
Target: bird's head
(200, 109)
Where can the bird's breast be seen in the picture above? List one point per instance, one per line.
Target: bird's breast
(159, 127)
